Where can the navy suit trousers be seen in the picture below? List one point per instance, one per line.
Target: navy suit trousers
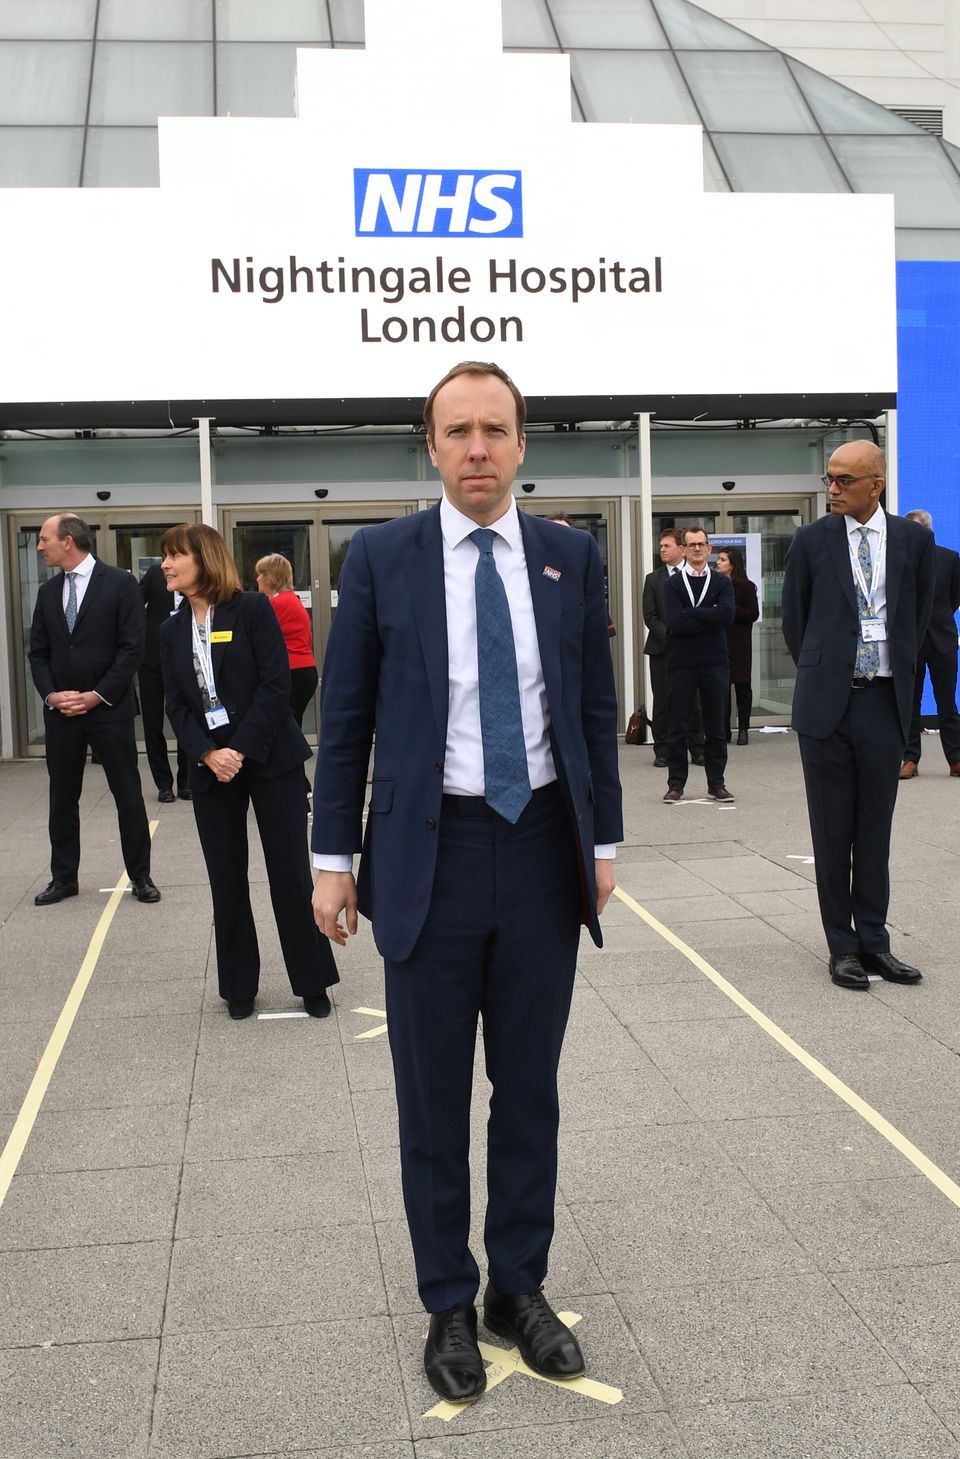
(500, 945)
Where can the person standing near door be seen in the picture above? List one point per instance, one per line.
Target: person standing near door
(275, 579)
(654, 616)
(857, 593)
(86, 642)
(740, 639)
(939, 655)
(158, 607)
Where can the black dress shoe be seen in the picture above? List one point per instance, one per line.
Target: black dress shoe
(696, 757)
(890, 967)
(56, 891)
(546, 1344)
(846, 970)
(240, 1007)
(743, 738)
(317, 1005)
(145, 891)
(166, 796)
(184, 792)
(451, 1358)
(659, 763)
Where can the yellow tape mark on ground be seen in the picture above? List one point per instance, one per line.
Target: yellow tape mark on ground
(505, 1362)
(883, 1127)
(371, 1033)
(13, 1150)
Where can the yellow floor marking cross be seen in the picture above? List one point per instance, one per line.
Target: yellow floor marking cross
(371, 1033)
(505, 1362)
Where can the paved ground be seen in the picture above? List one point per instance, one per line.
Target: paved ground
(203, 1252)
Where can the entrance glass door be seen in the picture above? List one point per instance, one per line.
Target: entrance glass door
(253, 539)
(773, 670)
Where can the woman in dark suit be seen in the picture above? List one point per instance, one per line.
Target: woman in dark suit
(227, 681)
(740, 639)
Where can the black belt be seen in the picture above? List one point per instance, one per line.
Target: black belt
(475, 805)
(871, 683)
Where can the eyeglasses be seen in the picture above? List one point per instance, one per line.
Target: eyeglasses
(829, 480)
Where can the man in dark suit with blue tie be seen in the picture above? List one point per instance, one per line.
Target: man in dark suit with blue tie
(857, 593)
(86, 641)
(473, 640)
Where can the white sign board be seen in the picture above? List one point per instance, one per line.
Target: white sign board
(431, 202)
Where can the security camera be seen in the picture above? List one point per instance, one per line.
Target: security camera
(528, 486)
(728, 485)
(103, 496)
(321, 492)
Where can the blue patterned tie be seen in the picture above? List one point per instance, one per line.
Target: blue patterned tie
(505, 778)
(71, 608)
(868, 654)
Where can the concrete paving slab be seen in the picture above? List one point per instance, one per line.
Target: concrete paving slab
(696, 850)
(612, 1099)
(89, 1208)
(650, 964)
(375, 1112)
(135, 1061)
(143, 998)
(747, 873)
(681, 913)
(660, 879)
(699, 1041)
(82, 1294)
(397, 1450)
(299, 1057)
(759, 1091)
(255, 1126)
(613, 1163)
(88, 1400)
(871, 1225)
(224, 1197)
(875, 1423)
(739, 933)
(274, 1279)
(654, 1436)
(314, 1384)
(21, 1047)
(609, 1351)
(807, 1149)
(704, 1344)
(105, 1139)
(769, 904)
(913, 1312)
(682, 1002)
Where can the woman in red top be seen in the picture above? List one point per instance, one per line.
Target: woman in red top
(275, 578)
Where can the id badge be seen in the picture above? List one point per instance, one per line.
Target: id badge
(873, 630)
(217, 718)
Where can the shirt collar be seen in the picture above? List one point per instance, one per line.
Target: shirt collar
(456, 527)
(85, 566)
(875, 524)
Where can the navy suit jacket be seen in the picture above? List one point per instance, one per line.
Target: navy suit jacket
(386, 670)
(105, 648)
(942, 631)
(252, 675)
(821, 620)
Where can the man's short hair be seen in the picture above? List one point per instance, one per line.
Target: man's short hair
(73, 526)
(475, 367)
(924, 518)
(674, 532)
(694, 527)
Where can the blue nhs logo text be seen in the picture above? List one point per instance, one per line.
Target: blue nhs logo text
(403, 203)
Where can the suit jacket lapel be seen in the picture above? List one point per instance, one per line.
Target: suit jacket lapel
(840, 555)
(547, 599)
(424, 567)
(92, 589)
(225, 617)
(894, 548)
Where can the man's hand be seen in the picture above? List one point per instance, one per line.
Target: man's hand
(335, 892)
(71, 702)
(606, 881)
(225, 764)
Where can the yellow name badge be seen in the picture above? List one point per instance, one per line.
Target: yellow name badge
(225, 635)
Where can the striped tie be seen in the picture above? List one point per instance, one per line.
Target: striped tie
(505, 777)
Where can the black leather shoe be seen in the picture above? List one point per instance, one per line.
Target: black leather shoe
(546, 1344)
(317, 1005)
(846, 970)
(451, 1358)
(56, 891)
(145, 891)
(240, 1007)
(890, 967)
(743, 738)
(696, 757)
(184, 792)
(166, 796)
(659, 763)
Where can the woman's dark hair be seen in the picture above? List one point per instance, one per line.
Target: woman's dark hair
(737, 570)
(219, 579)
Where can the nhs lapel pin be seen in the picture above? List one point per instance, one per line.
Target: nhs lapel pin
(553, 573)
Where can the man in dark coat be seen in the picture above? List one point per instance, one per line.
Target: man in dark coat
(158, 604)
(86, 641)
(939, 655)
(857, 593)
(655, 648)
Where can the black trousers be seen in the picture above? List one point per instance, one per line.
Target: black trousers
(150, 683)
(661, 709)
(712, 682)
(943, 678)
(303, 686)
(744, 697)
(500, 943)
(66, 750)
(851, 782)
(280, 806)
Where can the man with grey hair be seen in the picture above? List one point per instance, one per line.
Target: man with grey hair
(938, 654)
(86, 641)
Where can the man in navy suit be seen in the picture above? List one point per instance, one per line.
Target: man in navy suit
(939, 655)
(86, 641)
(473, 640)
(857, 593)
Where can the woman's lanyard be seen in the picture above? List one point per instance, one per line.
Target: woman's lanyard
(695, 602)
(216, 715)
(858, 576)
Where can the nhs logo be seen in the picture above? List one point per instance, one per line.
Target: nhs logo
(402, 203)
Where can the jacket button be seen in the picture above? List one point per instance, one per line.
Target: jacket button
(431, 824)
(438, 767)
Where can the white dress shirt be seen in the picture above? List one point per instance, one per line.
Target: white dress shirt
(463, 756)
(876, 533)
(81, 579)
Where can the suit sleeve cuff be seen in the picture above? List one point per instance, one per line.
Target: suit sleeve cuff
(605, 853)
(328, 861)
